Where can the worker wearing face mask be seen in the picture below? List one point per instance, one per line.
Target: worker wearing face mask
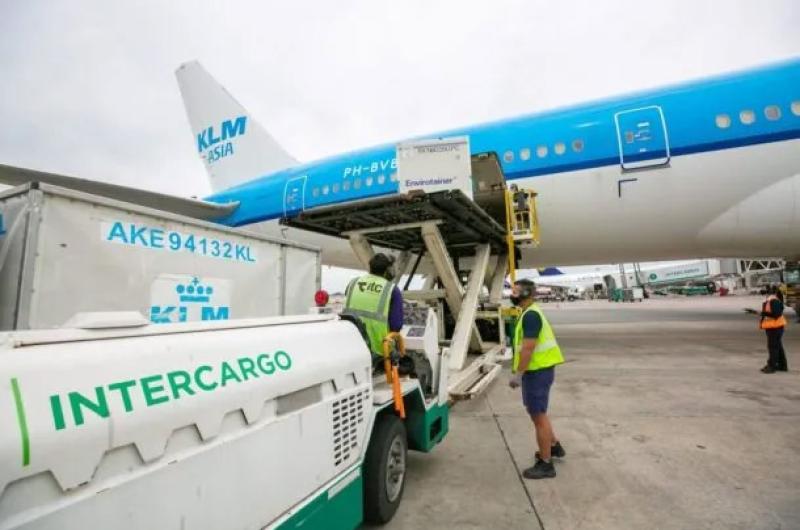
(536, 354)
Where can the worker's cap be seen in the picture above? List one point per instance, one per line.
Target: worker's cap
(381, 262)
(526, 287)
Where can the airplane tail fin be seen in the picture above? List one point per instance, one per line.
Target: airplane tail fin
(233, 146)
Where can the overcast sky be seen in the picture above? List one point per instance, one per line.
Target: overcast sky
(88, 88)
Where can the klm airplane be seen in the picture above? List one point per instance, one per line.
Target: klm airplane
(709, 168)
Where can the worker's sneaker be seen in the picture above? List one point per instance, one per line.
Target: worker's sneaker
(541, 469)
(556, 451)
(768, 370)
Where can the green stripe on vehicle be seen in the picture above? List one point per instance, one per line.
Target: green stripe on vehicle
(341, 507)
(426, 426)
(23, 424)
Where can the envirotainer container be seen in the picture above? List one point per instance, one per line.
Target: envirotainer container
(64, 252)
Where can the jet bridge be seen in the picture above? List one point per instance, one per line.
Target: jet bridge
(455, 233)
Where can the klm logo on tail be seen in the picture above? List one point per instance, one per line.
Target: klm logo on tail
(214, 144)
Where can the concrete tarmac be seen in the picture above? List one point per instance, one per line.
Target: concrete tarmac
(665, 417)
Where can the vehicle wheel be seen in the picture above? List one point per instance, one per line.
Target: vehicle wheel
(385, 469)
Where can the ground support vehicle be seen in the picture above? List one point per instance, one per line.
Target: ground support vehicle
(257, 423)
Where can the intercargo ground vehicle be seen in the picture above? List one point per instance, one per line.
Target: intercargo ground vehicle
(115, 422)
(160, 387)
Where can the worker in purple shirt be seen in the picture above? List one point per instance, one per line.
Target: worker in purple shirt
(396, 310)
(376, 301)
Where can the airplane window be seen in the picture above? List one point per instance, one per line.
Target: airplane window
(346, 185)
(541, 151)
(525, 154)
(772, 112)
(577, 145)
(560, 148)
(325, 189)
(368, 181)
(393, 177)
(315, 192)
(335, 188)
(796, 108)
(723, 121)
(381, 179)
(508, 156)
(748, 117)
(357, 184)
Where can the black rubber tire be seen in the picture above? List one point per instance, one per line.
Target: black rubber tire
(378, 509)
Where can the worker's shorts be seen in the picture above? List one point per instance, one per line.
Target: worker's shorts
(536, 389)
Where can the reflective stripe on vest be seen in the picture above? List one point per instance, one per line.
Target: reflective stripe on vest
(770, 322)
(368, 298)
(547, 353)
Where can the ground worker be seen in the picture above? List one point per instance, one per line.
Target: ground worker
(521, 208)
(536, 353)
(773, 323)
(376, 301)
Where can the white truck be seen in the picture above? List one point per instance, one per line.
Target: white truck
(115, 422)
(150, 381)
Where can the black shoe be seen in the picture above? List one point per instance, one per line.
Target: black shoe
(782, 369)
(556, 451)
(541, 469)
(768, 370)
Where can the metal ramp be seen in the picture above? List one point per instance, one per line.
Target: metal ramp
(447, 226)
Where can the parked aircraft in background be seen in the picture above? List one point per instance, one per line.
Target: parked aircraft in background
(653, 275)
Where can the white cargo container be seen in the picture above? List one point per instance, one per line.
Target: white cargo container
(64, 252)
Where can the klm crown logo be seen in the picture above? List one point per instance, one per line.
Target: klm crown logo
(194, 292)
(194, 302)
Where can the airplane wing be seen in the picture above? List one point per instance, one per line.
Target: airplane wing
(197, 209)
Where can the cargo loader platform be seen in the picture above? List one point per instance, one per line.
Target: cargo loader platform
(394, 221)
(446, 226)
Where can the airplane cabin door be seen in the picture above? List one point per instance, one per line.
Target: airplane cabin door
(642, 137)
(294, 196)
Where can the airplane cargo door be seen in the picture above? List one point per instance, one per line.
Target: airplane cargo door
(642, 137)
(294, 196)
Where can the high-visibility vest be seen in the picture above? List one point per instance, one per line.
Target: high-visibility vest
(770, 322)
(368, 298)
(547, 352)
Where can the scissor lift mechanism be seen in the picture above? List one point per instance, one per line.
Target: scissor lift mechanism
(449, 227)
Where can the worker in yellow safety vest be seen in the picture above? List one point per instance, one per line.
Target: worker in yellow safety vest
(773, 323)
(376, 301)
(536, 354)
